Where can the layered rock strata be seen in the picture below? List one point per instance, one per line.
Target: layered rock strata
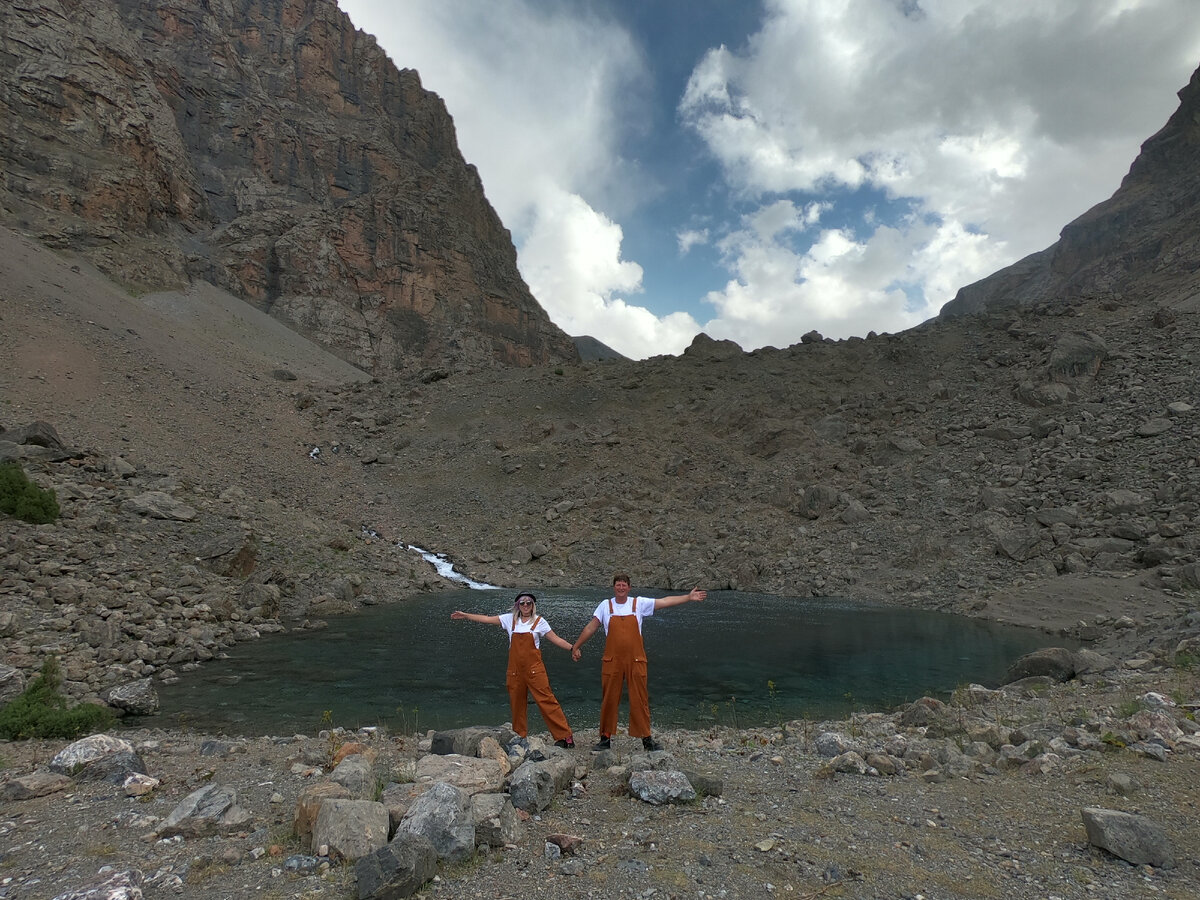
(272, 149)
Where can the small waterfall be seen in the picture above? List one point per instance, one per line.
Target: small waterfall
(444, 567)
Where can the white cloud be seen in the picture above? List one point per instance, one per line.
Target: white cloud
(880, 154)
(540, 96)
(992, 119)
(535, 94)
(689, 238)
(573, 254)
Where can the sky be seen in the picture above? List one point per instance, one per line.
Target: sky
(760, 169)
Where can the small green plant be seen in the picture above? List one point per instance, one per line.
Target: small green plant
(1186, 661)
(42, 712)
(404, 772)
(1112, 740)
(409, 719)
(1129, 708)
(773, 702)
(333, 737)
(205, 868)
(101, 851)
(22, 499)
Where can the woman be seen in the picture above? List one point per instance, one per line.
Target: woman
(526, 671)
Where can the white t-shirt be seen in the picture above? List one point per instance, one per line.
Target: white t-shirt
(537, 626)
(633, 606)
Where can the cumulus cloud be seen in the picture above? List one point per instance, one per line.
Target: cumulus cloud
(573, 254)
(689, 238)
(541, 95)
(873, 155)
(991, 121)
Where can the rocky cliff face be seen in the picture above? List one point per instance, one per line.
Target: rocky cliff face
(1141, 244)
(270, 148)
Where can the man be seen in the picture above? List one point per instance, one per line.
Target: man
(625, 657)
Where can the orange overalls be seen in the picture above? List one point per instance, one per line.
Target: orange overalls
(527, 675)
(624, 662)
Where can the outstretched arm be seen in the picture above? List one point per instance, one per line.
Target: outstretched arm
(695, 594)
(557, 641)
(588, 630)
(475, 617)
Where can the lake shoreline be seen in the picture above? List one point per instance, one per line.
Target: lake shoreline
(782, 815)
(737, 659)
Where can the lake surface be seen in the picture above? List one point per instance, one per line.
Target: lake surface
(737, 659)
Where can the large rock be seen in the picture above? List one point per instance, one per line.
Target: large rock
(355, 773)
(350, 829)
(442, 815)
(1134, 838)
(138, 698)
(233, 554)
(534, 784)
(1056, 663)
(125, 885)
(398, 870)
(35, 434)
(38, 784)
(308, 807)
(213, 809)
(660, 788)
(12, 683)
(99, 757)
(466, 741)
(159, 505)
(496, 820)
(471, 774)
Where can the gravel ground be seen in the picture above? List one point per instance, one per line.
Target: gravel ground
(777, 828)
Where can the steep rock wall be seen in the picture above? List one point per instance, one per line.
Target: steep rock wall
(1140, 245)
(269, 147)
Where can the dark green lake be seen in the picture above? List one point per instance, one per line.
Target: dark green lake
(737, 659)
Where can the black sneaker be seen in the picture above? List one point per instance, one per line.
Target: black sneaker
(605, 743)
(649, 744)
(566, 743)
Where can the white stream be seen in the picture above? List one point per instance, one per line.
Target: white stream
(444, 567)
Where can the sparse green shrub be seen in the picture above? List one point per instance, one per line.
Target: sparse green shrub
(21, 498)
(42, 712)
(773, 702)
(1130, 707)
(408, 720)
(1112, 740)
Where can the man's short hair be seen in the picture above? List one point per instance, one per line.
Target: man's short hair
(621, 576)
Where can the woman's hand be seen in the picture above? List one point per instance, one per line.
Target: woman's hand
(458, 614)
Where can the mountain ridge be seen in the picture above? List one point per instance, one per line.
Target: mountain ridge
(270, 149)
(1140, 244)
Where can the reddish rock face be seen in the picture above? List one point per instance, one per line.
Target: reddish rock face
(272, 149)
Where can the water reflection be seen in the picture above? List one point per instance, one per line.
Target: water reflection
(737, 659)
